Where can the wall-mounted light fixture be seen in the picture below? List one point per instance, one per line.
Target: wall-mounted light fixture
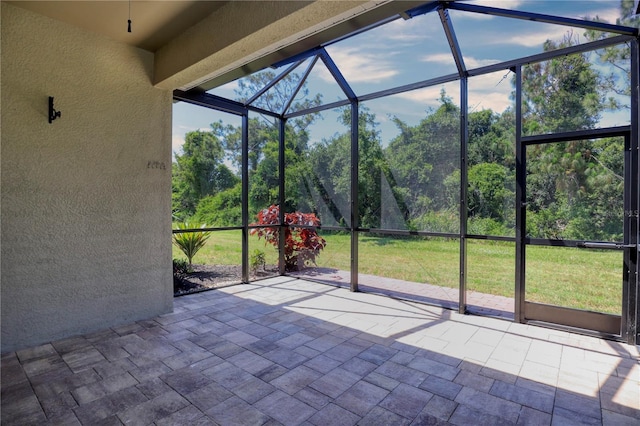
(53, 114)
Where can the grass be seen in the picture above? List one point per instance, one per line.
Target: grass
(575, 278)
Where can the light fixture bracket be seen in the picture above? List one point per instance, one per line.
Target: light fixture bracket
(53, 114)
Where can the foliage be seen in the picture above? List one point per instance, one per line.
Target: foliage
(487, 226)
(181, 267)
(492, 138)
(561, 94)
(423, 156)
(263, 138)
(576, 190)
(257, 260)
(221, 209)
(491, 191)
(412, 182)
(301, 244)
(264, 189)
(554, 274)
(616, 80)
(190, 242)
(373, 170)
(446, 221)
(276, 98)
(199, 172)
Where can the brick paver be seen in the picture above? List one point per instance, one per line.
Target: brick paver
(288, 351)
(478, 303)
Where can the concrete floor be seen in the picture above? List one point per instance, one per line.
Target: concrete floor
(288, 351)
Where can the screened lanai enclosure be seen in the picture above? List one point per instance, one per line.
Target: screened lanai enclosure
(462, 154)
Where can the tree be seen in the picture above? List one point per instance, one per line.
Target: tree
(561, 94)
(264, 182)
(262, 128)
(264, 138)
(302, 245)
(489, 192)
(566, 93)
(276, 98)
(199, 171)
(328, 173)
(221, 209)
(616, 80)
(422, 157)
(330, 178)
(492, 138)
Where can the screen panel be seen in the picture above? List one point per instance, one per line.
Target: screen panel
(411, 267)
(490, 274)
(409, 171)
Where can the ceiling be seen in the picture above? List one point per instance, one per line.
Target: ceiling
(153, 23)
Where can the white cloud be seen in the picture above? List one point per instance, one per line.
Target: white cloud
(504, 4)
(181, 128)
(441, 58)
(490, 91)
(358, 65)
(531, 39)
(605, 9)
(500, 4)
(409, 31)
(430, 96)
(495, 101)
(447, 59)
(538, 38)
(227, 90)
(472, 62)
(177, 140)
(609, 14)
(176, 144)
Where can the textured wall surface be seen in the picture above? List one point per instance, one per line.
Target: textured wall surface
(240, 31)
(86, 209)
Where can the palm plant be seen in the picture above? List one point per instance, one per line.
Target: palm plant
(190, 242)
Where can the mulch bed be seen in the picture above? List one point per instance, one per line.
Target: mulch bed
(208, 277)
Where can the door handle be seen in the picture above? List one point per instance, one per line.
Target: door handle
(605, 246)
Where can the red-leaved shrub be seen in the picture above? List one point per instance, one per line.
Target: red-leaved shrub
(301, 246)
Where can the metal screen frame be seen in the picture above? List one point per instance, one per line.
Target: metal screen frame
(629, 324)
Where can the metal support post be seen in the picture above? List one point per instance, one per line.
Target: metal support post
(355, 158)
(521, 174)
(464, 143)
(281, 167)
(245, 198)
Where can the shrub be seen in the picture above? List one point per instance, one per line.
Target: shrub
(190, 242)
(181, 267)
(488, 226)
(257, 260)
(440, 221)
(221, 209)
(301, 246)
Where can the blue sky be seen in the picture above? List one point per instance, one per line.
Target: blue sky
(405, 51)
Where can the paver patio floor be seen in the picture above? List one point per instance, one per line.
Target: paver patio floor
(289, 351)
(478, 303)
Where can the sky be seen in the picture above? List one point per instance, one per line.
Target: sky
(406, 51)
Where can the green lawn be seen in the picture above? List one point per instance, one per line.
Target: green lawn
(583, 279)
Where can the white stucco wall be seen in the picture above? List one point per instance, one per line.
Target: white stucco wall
(85, 204)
